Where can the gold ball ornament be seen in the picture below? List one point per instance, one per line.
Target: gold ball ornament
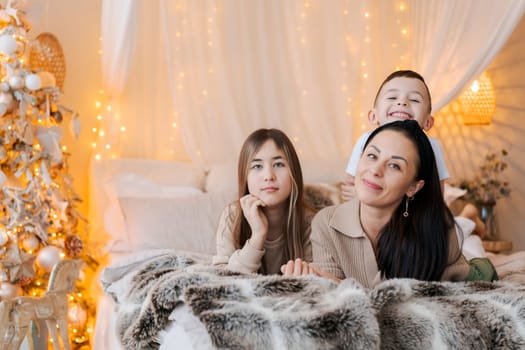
(46, 54)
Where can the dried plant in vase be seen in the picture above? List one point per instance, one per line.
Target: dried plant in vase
(487, 186)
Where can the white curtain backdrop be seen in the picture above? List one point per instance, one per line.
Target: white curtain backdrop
(204, 74)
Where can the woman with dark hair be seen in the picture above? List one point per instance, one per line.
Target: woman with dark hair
(398, 225)
(269, 224)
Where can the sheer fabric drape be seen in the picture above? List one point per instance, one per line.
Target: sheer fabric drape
(204, 74)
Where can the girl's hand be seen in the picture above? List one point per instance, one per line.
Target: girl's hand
(299, 267)
(347, 188)
(252, 209)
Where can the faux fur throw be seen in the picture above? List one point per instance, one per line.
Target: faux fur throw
(275, 312)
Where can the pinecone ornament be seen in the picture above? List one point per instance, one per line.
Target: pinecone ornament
(73, 246)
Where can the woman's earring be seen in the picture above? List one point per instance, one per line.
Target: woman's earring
(405, 214)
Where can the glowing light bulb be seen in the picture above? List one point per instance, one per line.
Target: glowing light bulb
(475, 86)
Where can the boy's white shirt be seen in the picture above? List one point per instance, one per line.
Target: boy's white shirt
(351, 167)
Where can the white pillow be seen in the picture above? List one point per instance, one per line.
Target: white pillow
(129, 184)
(113, 218)
(187, 224)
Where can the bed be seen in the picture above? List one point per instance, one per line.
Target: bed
(158, 218)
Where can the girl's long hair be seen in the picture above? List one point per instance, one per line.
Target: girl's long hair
(417, 246)
(295, 220)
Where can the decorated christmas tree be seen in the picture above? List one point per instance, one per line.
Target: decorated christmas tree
(39, 222)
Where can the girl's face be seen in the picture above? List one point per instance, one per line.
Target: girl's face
(269, 175)
(387, 170)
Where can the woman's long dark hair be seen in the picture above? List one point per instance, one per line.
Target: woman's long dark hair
(416, 246)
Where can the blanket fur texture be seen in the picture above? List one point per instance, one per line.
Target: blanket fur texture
(242, 311)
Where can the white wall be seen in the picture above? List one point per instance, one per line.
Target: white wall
(465, 146)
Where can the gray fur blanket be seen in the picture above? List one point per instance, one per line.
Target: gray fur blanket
(275, 312)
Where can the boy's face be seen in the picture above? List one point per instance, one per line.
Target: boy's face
(402, 99)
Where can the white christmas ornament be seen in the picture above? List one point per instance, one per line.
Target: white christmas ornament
(7, 44)
(4, 86)
(50, 138)
(77, 316)
(47, 79)
(30, 243)
(16, 82)
(3, 237)
(8, 291)
(33, 82)
(48, 257)
(6, 98)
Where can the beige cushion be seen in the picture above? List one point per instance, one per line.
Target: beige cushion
(187, 224)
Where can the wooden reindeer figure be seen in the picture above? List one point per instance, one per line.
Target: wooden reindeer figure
(16, 314)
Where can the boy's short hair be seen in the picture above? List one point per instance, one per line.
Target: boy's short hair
(406, 74)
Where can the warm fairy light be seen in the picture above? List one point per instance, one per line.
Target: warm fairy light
(97, 156)
(94, 130)
(367, 15)
(404, 31)
(122, 128)
(475, 86)
(64, 148)
(174, 125)
(108, 146)
(101, 133)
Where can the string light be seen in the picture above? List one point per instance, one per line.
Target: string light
(104, 141)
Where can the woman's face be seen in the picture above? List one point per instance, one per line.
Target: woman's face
(269, 175)
(387, 170)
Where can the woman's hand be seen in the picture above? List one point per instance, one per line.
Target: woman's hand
(252, 209)
(299, 267)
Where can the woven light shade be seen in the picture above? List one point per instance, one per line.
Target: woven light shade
(478, 102)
